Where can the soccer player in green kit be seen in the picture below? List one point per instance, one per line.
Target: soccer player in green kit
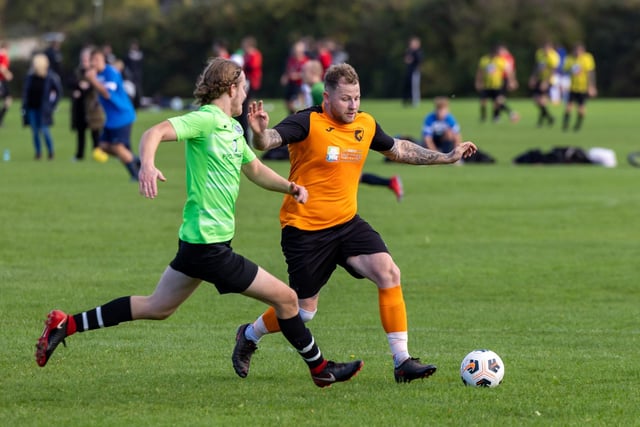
(216, 153)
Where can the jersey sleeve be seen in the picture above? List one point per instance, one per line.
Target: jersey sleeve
(191, 125)
(427, 126)
(453, 124)
(295, 127)
(248, 155)
(381, 141)
(112, 80)
(590, 63)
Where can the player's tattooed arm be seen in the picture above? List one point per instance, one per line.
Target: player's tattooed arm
(266, 140)
(404, 151)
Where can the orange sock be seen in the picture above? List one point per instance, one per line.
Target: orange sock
(393, 312)
(271, 320)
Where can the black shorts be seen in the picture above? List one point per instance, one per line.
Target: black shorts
(579, 98)
(539, 91)
(215, 263)
(492, 94)
(4, 89)
(312, 256)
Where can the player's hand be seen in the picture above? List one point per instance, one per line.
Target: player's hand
(593, 91)
(298, 192)
(148, 181)
(462, 151)
(91, 74)
(257, 118)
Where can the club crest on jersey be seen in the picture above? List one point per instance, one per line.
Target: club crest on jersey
(358, 134)
(238, 128)
(333, 154)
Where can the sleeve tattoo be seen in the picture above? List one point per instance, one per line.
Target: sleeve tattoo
(269, 139)
(404, 151)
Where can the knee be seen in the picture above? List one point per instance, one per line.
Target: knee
(287, 304)
(389, 274)
(147, 308)
(162, 314)
(307, 315)
(394, 273)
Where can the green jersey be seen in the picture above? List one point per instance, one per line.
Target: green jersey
(215, 150)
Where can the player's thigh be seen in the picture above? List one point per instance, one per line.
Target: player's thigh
(273, 291)
(379, 268)
(172, 289)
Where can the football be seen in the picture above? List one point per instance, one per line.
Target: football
(482, 368)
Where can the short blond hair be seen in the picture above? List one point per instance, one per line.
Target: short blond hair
(314, 67)
(338, 72)
(441, 102)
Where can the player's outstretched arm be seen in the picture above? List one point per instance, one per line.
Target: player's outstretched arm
(149, 175)
(267, 178)
(258, 119)
(404, 151)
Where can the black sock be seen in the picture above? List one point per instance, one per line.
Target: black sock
(95, 137)
(110, 314)
(369, 178)
(542, 114)
(544, 111)
(301, 339)
(483, 113)
(3, 111)
(506, 109)
(578, 124)
(565, 121)
(496, 112)
(132, 167)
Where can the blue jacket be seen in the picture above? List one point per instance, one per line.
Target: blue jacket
(50, 95)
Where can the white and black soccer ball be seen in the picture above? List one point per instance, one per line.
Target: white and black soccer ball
(482, 368)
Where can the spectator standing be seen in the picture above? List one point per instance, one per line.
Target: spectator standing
(324, 55)
(220, 50)
(292, 77)
(86, 111)
(5, 77)
(252, 67)
(134, 64)
(40, 95)
(54, 55)
(412, 59)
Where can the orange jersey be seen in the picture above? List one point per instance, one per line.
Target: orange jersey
(327, 158)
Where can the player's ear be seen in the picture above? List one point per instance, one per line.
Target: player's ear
(233, 89)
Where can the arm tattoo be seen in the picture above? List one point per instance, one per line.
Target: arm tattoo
(404, 151)
(269, 139)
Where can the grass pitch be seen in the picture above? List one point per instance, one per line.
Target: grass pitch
(539, 264)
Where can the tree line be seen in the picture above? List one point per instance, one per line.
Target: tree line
(177, 36)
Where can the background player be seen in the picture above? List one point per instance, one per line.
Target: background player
(547, 60)
(581, 68)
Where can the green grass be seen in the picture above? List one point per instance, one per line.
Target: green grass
(539, 264)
